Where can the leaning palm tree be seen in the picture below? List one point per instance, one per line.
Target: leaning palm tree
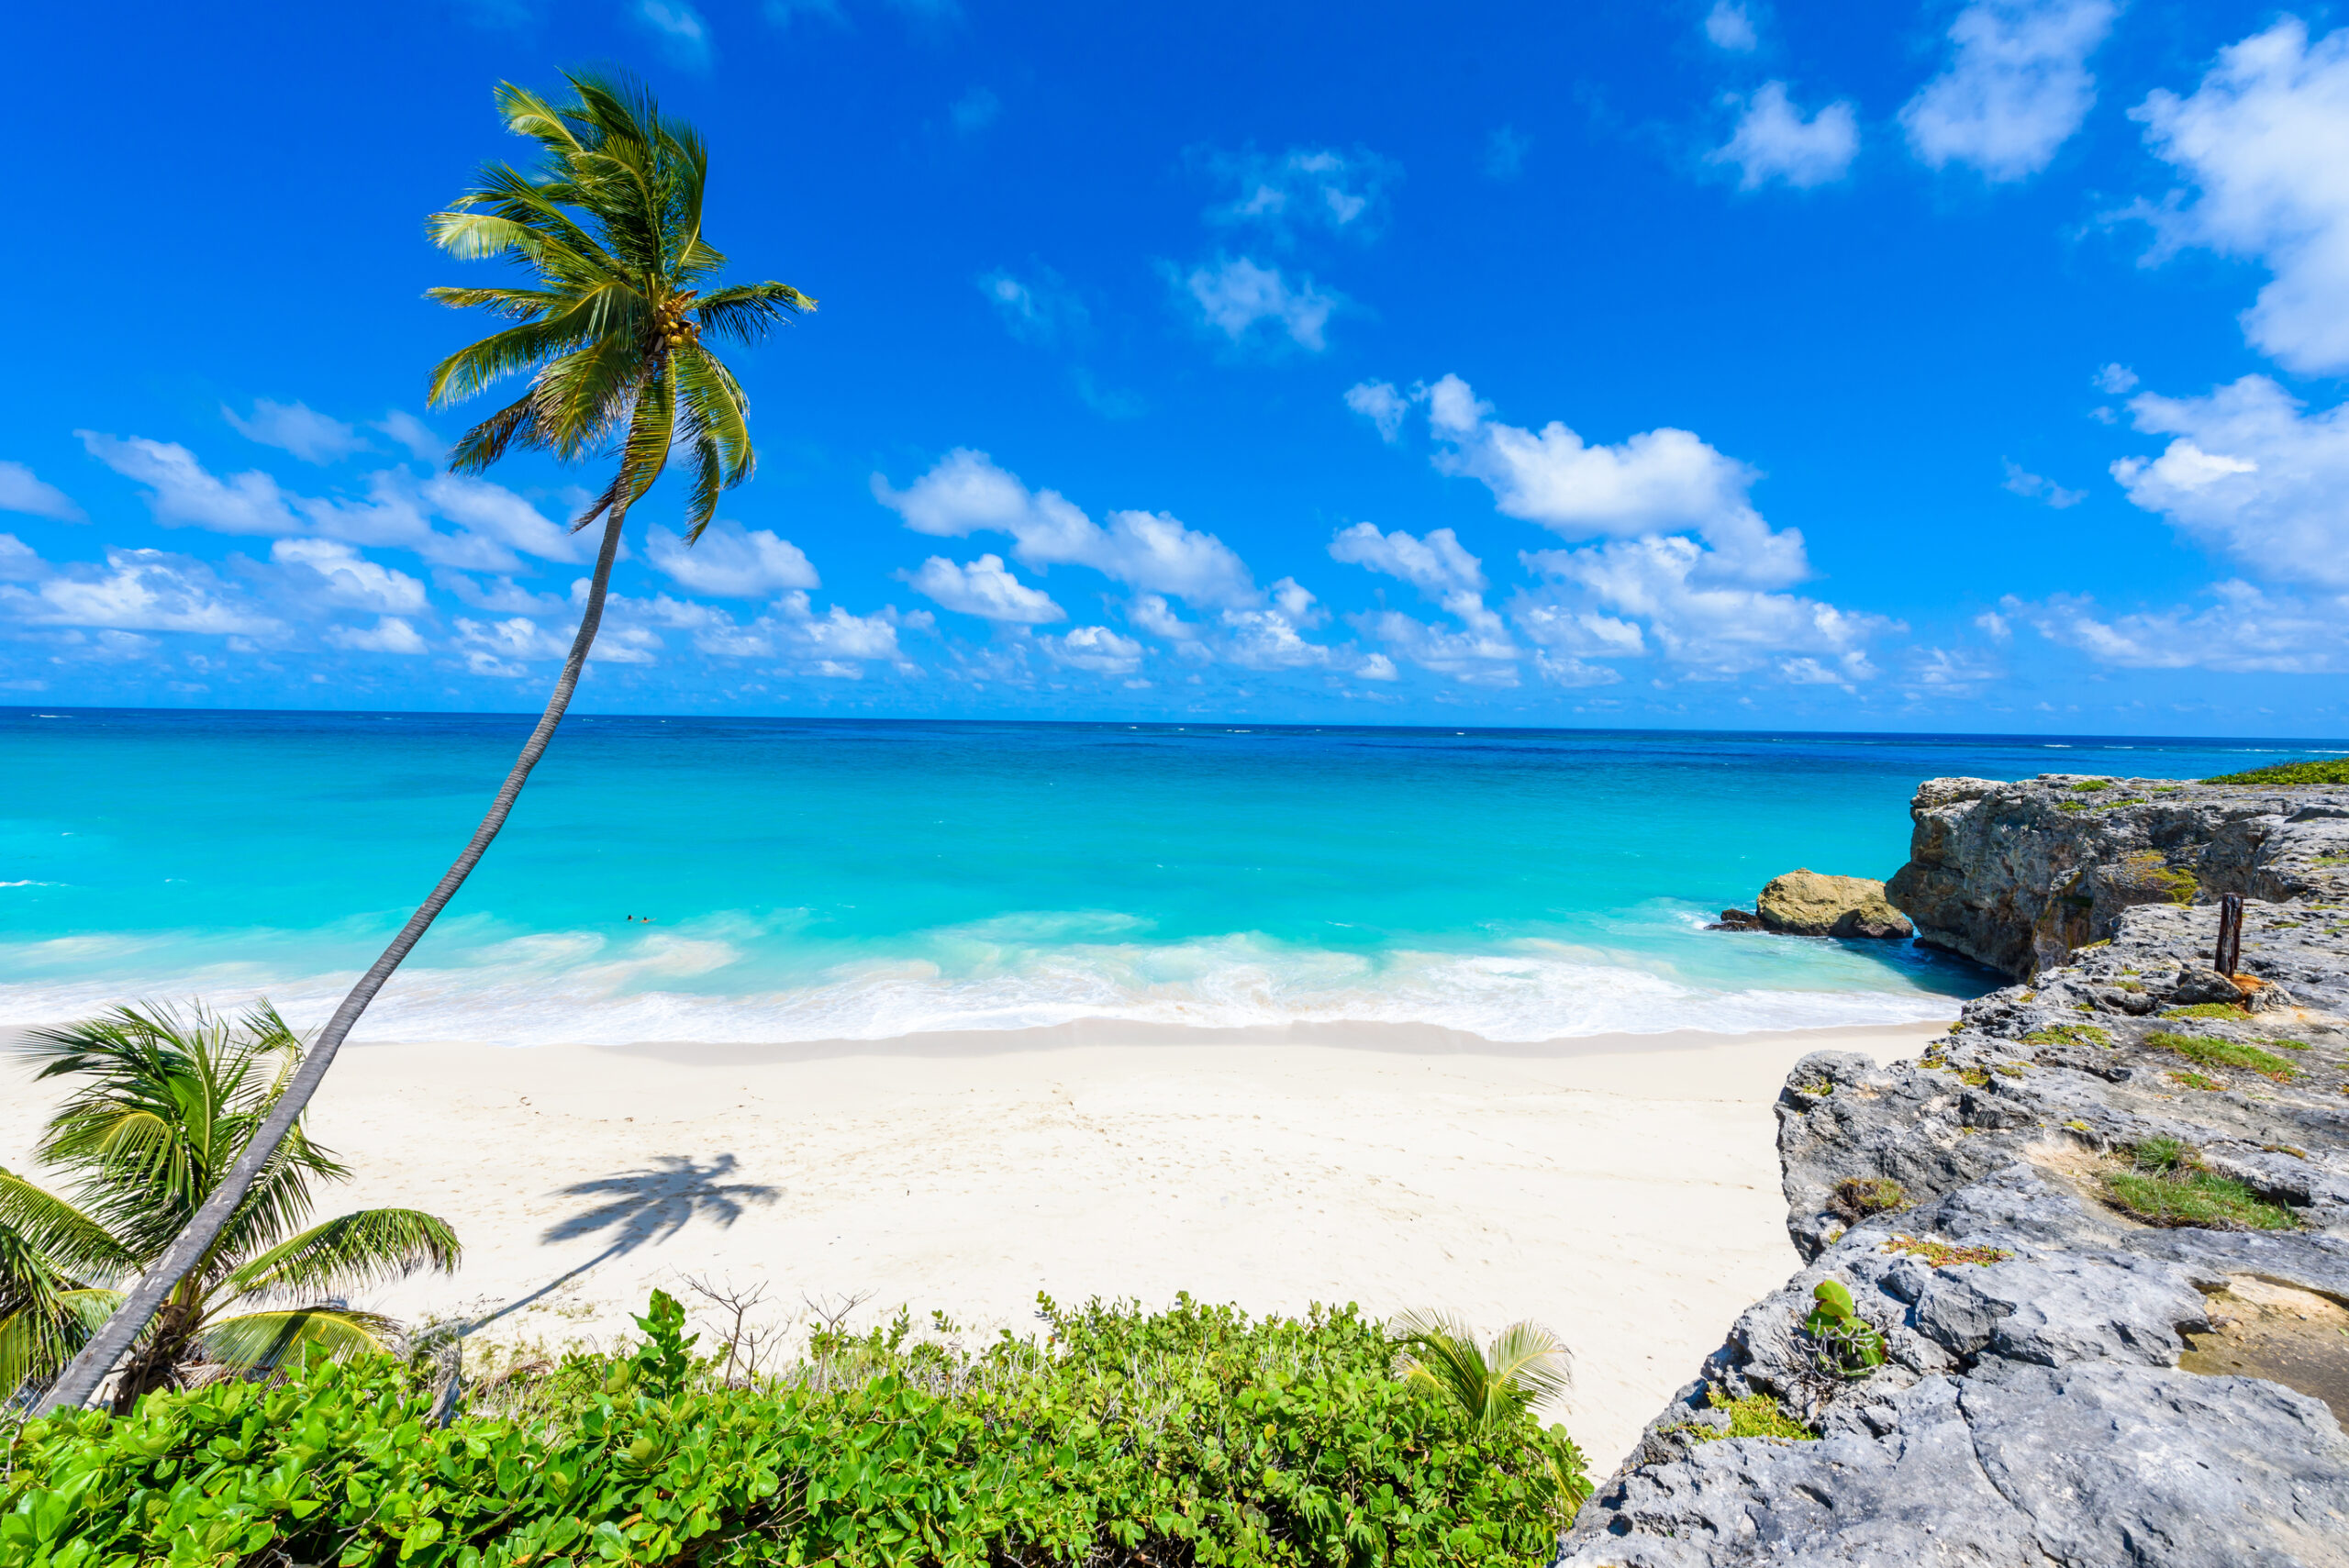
(608, 325)
(161, 1108)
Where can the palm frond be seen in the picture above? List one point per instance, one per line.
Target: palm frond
(1523, 1366)
(748, 312)
(487, 441)
(371, 1247)
(39, 1229)
(37, 1338)
(259, 1341)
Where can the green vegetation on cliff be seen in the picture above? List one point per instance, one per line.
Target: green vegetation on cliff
(2323, 771)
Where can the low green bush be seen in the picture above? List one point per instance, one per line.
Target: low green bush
(2165, 1183)
(2330, 770)
(1755, 1416)
(1191, 1436)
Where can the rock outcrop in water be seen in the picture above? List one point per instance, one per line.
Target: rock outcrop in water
(2042, 1373)
(1805, 904)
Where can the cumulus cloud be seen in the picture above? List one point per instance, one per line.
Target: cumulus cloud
(412, 433)
(1435, 565)
(1304, 188)
(984, 588)
(1773, 141)
(2252, 475)
(683, 35)
(1730, 27)
(2244, 630)
(1236, 297)
(338, 574)
(1040, 308)
(22, 491)
(298, 429)
(2265, 138)
(965, 493)
(19, 561)
(1505, 152)
(1379, 401)
(494, 523)
(2017, 86)
(138, 590)
(1661, 592)
(1097, 648)
(390, 634)
(731, 562)
(2038, 487)
(1658, 480)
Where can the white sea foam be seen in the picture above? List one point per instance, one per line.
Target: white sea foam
(577, 986)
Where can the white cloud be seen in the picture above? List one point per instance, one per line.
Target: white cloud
(2252, 475)
(342, 576)
(965, 493)
(731, 562)
(2038, 487)
(390, 634)
(1305, 187)
(984, 588)
(1042, 309)
(1236, 295)
(1505, 152)
(1658, 480)
(1436, 565)
(1156, 616)
(22, 491)
(19, 562)
(1377, 667)
(495, 512)
(975, 110)
(2265, 137)
(515, 637)
(2015, 89)
(412, 433)
(298, 429)
(1773, 141)
(1731, 27)
(2245, 630)
(1379, 401)
(1267, 640)
(683, 35)
(1665, 594)
(1097, 648)
(181, 492)
(2118, 380)
(140, 590)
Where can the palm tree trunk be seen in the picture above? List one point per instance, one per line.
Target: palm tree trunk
(78, 1382)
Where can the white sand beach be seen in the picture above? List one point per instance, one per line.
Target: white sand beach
(1623, 1190)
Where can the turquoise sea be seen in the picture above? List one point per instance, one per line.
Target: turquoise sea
(858, 880)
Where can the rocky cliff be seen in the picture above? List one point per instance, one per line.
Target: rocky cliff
(2017, 875)
(2095, 1241)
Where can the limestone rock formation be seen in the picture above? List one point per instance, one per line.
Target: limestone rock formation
(2017, 876)
(1805, 904)
(2058, 1380)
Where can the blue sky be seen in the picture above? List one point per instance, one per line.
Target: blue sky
(1842, 366)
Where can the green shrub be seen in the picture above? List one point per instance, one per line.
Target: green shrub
(2087, 786)
(1856, 1197)
(2213, 1051)
(1191, 1435)
(2068, 1034)
(1848, 1343)
(2229, 1010)
(2330, 770)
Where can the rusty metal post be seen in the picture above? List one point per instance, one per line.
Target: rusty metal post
(2230, 951)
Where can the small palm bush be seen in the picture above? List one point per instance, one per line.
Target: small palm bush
(161, 1106)
(1496, 1383)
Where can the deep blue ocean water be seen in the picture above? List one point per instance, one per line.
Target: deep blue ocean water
(845, 879)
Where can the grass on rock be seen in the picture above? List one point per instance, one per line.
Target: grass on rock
(2167, 1184)
(2213, 1051)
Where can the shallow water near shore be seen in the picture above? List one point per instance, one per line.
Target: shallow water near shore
(861, 880)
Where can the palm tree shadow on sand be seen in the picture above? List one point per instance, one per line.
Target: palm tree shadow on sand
(644, 1206)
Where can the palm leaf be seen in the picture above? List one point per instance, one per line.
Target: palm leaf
(260, 1341)
(36, 1224)
(1524, 1365)
(371, 1247)
(38, 1338)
